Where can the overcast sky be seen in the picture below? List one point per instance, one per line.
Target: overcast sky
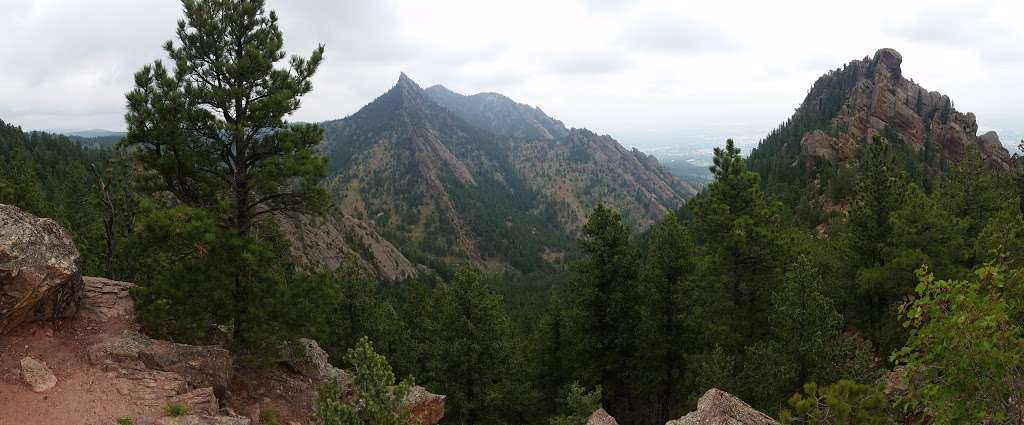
(646, 72)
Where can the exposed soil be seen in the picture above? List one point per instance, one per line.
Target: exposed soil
(84, 394)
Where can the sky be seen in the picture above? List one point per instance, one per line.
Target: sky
(653, 74)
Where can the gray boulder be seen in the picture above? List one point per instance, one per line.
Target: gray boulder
(40, 277)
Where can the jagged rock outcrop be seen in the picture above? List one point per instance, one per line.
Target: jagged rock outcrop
(423, 407)
(40, 277)
(600, 417)
(717, 407)
(865, 100)
(329, 241)
(37, 375)
(882, 102)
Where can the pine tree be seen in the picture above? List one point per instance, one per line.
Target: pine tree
(469, 357)
(211, 131)
(668, 329)
(602, 306)
(740, 230)
(214, 125)
(376, 398)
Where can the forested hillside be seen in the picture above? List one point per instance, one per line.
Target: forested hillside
(54, 176)
(865, 265)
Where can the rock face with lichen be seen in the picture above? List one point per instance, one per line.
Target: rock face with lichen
(40, 277)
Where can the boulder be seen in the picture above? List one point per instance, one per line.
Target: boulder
(717, 407)
(200, 365)
(119, 349)
(105, 299)
(201, 401)
(37, 375)
(40, 277)
(600, 417)
(423, 407)
(309, 360)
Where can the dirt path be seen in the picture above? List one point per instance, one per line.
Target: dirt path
(84, 395)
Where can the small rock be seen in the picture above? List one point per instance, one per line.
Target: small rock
(600, 417)
(37, 375)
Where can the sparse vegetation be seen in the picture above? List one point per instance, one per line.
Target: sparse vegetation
(175, 410)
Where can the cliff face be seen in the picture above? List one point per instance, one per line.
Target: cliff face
(868, 98)
(461, 183)
(883, 102)
(330, 240)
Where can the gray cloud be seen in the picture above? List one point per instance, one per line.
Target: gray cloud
(632, 67)
(676, 34)
(963, 26)
(586, 63)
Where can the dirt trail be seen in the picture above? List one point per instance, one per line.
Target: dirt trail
(84, 395)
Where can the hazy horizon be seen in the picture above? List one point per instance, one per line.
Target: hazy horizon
(651, 74)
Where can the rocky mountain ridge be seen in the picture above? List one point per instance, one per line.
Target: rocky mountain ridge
(867, 99)
(498, 114)
(442, 189)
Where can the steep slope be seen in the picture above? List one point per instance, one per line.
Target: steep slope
(850, 106)
(583, 169)
(498, 114)
(444, 190)
(439, 188)
(332, 239)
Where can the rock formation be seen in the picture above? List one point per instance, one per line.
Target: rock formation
(105, 299)
(330, 240)
(37, 375)
(423, 407)
(882, 102)
(717, 407)
(600, 417)
(39, 269)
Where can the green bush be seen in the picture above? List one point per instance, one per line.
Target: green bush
(176, 409)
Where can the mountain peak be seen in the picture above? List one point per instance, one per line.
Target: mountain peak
(405, 82)
(891, 59)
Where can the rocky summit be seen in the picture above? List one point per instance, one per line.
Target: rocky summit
(870, 99)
